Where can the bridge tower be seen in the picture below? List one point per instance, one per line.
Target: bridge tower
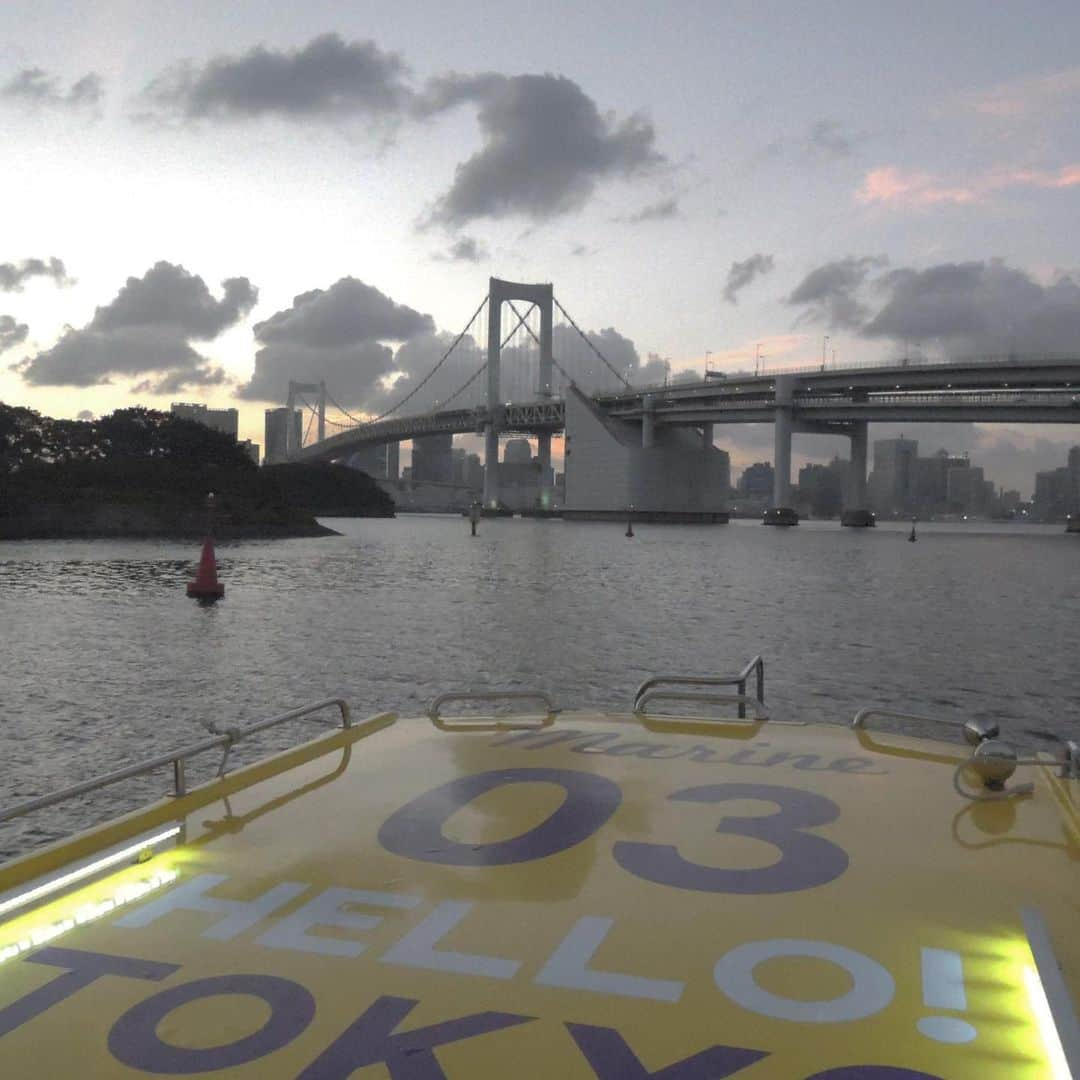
(500, 292)
(295, 390)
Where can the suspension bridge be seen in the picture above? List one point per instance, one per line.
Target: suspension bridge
(522, 365)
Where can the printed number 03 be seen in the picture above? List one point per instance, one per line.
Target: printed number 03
(415, 831)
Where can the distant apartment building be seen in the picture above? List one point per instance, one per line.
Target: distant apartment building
(756, 480)
(891, 484)
(821, 488)
(276, 438)
(1057, 491)
(433, 459)
(224, 420)
(251, 449)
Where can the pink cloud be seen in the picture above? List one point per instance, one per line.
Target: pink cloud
(1029, 96)
(890, 186)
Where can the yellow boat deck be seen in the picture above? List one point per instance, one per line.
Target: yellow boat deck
(607, 896)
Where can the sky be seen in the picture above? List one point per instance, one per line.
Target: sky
(202, 200)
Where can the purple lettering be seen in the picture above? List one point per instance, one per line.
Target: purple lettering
(83, 968)
(415, 831)
(611, 1059)
(806, 860)
(134, 1040)
(408, 1055)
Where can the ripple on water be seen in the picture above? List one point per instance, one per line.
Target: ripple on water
(106, 661)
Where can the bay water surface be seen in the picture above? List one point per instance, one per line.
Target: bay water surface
(106, 661)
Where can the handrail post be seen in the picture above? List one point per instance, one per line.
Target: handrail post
(179, 777)
(761, 679)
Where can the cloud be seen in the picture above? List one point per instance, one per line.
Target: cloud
(829, 292)
(12, 333)
(14, 275)
(36, 88)
(658, 211)
(743, 273)
(147, 327)
(968, 308)
(578, 250)
(546, 146)
(1025, 97)
(826, 140)
(464, 249)
(890, 186)
(337, 334)
(328, 78)
(978, 307)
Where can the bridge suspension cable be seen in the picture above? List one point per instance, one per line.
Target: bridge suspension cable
(442, 360)
(618, 375)
(532, 333)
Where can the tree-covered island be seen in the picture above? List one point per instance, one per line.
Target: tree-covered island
(142, 473)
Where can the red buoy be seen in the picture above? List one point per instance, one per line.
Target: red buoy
(206, 585)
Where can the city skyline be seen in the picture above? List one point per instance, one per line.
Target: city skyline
(207, 203)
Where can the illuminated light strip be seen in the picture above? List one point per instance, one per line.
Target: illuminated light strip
(126, 894)
(85, 871)
(1050, 1001)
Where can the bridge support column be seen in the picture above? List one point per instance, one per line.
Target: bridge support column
(543, 456)
(856, 511)
(648, 421)
(706, 435)
(783, 424)
(393, 461)
(491, 467)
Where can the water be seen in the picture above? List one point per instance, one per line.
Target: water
(106, 661)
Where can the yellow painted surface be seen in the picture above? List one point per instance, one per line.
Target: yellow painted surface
(923, 869)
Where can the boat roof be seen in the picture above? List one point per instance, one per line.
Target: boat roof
(600, 895)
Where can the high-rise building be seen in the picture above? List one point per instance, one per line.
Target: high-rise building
(517, 452)
(251, 449)
(965, 489)
(432, 459)
(756, 480)
(276, 438)
(224, 420)
(891, 482)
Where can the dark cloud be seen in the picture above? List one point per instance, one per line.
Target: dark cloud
(14, 275)
(36, 88)
(979, 307)
(175, 381)
(658, 211)
(829, 292)
(957, 308)
(12, 333)
(337, 334)
(546, 145)
(327, 78)
(743, 273)
(582, 249)
(148, 327)
(464, 249)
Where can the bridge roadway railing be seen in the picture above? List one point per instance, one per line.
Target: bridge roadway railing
(990, 360)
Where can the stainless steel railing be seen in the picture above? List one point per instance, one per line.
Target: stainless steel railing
(514, 721)
(755, 667)
(224, 738)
